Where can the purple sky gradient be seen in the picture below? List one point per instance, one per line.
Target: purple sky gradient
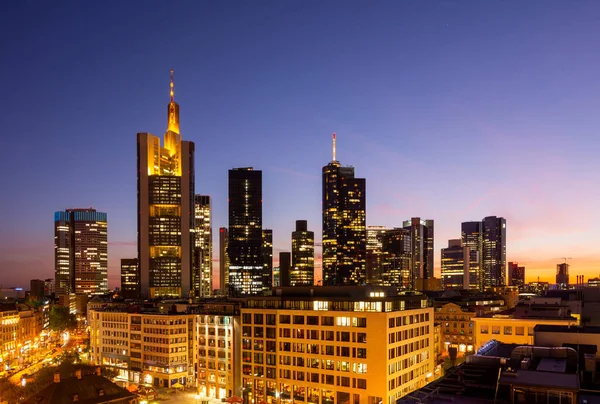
(452, 111)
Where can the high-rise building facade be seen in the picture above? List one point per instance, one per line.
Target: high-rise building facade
(373, 260)
(267, 254)
(130, 278)
(246, 263)
(562, 276)
(166, 210)
(303, 255)
(472, 236)
(457, 272)
(202, 275)
(344, 225)
(285, 268)
(396, 259)
(516, 274)
(223, 260)
(80, 252)
(362, 345)
(421, 234)
(493, 251)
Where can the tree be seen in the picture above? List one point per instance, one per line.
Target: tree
(61, 319)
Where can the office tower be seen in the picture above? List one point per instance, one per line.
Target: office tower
(516, 274)
(80, 251)
(267, 254)
(202, 275)
(285, 265)
(471, 236)
(396, 259)
(223, 260)
(48, 286)
(245, 232)
(36, 290)
(373, 260)
(130, 278)
(303, 255)
(340, 345)
(344, 225)
(494, 251)
(562, 276)
(457, 269)
(165, 210)
(276, 278)
(421, 235)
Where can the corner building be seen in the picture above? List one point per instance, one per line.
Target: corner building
(330, 345)
(165, 210)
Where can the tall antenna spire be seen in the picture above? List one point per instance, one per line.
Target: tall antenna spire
(171, 87)
(334, 147)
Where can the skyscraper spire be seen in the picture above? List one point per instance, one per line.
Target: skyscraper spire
(172, 89)
(334, 147)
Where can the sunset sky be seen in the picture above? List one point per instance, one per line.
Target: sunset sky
(452, 111)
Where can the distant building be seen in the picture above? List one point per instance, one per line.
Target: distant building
(472, 237)
(80, 252)
(421, 244)
(165, 187)
(246, 262)
(374, 252)
(395, 267)
(48, 286)
(562, 276)
(224, 260)
(276, 277)
(344, 225)
(130, 278)
(267, 259)
(516, 275)
(594, 282)
(37, 289)
(456, 327)
(494, 251)
(285, 268)
(202, 274)
(456, 266)
(303, 255)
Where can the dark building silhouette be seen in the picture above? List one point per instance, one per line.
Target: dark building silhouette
(285, 265)
(267, 254)
(130, 278)
(246, 264)
(344, 225)
(421, 235)
(562, 276)
(303, 255)
(37, 289)
(223, 260)
(516, 274)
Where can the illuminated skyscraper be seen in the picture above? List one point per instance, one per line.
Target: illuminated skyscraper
(130, 278)
(267, 253)
(421, 235)
(166, 210)
(373, 265)
(471, 236)
(344, 225)
(516, 274)
(457, 272)
(493, 251)
(202, 275)
(246, 264)
(223, 260)
(396, 259)
(303, 255)
(80, 252)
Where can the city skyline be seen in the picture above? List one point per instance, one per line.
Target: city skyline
(431, 86)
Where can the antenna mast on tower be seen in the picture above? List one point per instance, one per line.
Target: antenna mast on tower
(171, 87)
(334, 147)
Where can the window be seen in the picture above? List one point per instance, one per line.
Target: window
(312, 320)
(530, 331)
(246, 318)
(519, 330)
(258, 319)
(496, 329)
(343, 321)
(507, 330)
(284, 319)
(298, 319)
(361, 384)
(326, 320)
(484, 329)
(359, 322)
(392, 322)
(271, 319)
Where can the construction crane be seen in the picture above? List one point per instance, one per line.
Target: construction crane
(565, 258)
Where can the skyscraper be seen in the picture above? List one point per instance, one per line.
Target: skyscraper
(562, 276)
(396, 259)
(344, 225)
(457, 271)
(202, 275)
(245, 232)
(471, 236)
(130, 278)
(165, 210)
(223, 260)
(494, 251)
(80, 252)
(285, 265)
(267, 254)
(516, 274)
(303, 255)
(421, 235)
(373, 260)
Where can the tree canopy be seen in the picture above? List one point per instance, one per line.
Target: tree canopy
(61, 319)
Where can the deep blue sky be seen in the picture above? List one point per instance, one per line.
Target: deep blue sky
(451, 110)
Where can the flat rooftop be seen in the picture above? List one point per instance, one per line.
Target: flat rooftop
(586, 329)
(549, 380)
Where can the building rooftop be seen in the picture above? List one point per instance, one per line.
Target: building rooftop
(587, 329)
(536, 378)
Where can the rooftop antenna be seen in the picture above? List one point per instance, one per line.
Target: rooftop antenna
(171, 87)
(334, 147)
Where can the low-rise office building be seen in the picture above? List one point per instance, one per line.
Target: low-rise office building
(456, 327)
(309, 344)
